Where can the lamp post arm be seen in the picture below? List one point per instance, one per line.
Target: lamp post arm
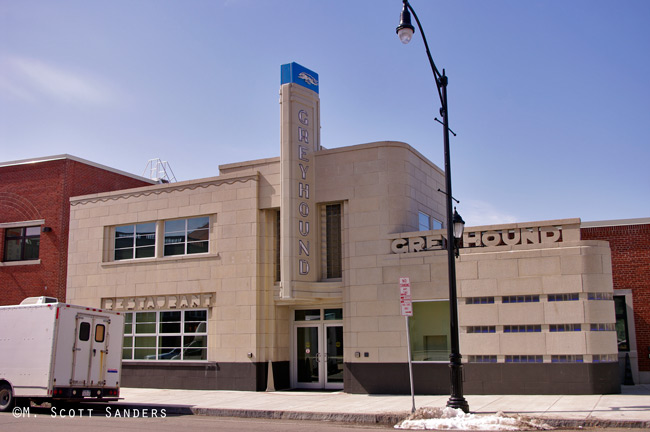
(440, 79)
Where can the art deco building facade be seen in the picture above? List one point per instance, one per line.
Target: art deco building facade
(284, 272)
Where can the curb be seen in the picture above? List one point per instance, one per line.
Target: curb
(593, 423)
(390, 418)
(379, 418)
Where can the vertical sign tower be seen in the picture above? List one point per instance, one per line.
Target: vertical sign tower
(300, 140)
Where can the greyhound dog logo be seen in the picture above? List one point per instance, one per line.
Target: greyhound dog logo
(308, 78)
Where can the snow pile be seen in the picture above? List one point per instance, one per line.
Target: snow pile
(455, 419)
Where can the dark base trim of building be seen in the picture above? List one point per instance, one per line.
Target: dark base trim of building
(204, 376)
(488, 378)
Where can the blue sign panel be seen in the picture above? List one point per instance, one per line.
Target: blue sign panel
(295, 73)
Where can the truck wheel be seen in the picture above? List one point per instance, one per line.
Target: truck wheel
(6, 397)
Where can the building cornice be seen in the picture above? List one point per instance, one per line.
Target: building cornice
(163, 188)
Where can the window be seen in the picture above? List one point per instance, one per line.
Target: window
(600, 296)
(22, 243)
(100, 333)
(166, 335)
(605, 358)
(187, 236)
(481, 329)
(521, 299)
(135, 241)
(479, 300)
(333, 314)
(522, 328)
(333, 241)
(316, 315)
(621, 323)
(564, 327)
(482, 359)
(307, 315)
(524, 359)
(563, 297)
(84, 331)
(278, 262)
(566, 359)
(427, 223)
(430, 334)
(602, 327)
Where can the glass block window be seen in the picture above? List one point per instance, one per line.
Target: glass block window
(563, 297)
(522, 328)
(602, 327)
(521, 299)
(567, 359)
(482, 359)
(135, 241)
(600, 296)
(22, 243)
(564, 327)
(479, 300)
(166, 335)
(481, 329)
(187, 236)
(524, 359)
(605, 358)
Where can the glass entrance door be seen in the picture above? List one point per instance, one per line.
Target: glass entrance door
(318, 351)
(334, 356)
(308, 356)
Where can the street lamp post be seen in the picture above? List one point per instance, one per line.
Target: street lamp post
(405, 32)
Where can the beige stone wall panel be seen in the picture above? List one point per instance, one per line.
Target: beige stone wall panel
(564, 343)
(480, 344)
(520, 313)
(522, 344)
(562, 312)
(473, 315)
(599, 311)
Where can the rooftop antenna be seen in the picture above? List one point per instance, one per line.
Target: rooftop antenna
(159, 171)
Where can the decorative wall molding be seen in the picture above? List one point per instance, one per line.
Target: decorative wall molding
(167, 188)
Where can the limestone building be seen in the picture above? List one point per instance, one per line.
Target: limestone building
(284, 272)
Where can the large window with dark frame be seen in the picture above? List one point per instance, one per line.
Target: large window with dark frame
(166, 335)
(430, 332)
(622, 333)
(135, 241)
(187, 236)
(427, 222)
(22, 243)
(276, 239)
(334, 260)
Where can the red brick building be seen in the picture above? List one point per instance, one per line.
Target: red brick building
(629, 240)
(34, 218)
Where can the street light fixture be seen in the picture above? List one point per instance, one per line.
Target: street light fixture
(405, 32)
(459, 227)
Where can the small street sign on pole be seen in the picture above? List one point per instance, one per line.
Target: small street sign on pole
(406, 306)
(406, 303)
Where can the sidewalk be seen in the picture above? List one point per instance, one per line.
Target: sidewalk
(629, 409)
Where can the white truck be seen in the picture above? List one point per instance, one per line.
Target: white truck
(56, 351)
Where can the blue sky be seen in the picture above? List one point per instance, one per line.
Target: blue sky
(550, 99)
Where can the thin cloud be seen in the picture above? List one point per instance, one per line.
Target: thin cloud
(477, 213)
(30, 79)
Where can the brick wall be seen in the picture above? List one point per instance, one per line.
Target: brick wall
(42, 190)
(630, 245)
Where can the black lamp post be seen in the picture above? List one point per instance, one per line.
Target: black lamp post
(405, 32)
